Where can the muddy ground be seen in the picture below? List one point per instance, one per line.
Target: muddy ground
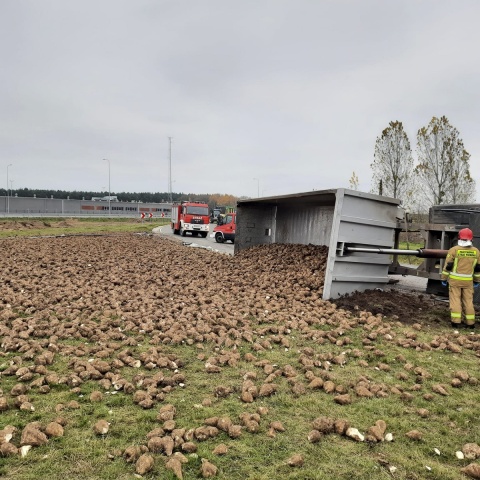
(27, 224)
(31, 224)
(406, 307)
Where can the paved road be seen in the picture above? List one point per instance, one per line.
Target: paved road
(409, 282)
(196, 242)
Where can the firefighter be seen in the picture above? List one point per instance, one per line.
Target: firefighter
(462, 271)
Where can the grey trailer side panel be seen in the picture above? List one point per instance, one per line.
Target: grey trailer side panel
(304, 225)
(256, 228)
(359, 220)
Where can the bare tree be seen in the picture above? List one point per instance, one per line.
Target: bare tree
(444, 168)
(462, 184)
(353, 182)
(393, 164)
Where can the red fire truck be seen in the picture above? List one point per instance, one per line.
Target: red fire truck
(190, 217)
(225, 230)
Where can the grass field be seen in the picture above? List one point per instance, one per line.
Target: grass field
(146, 306)
(410, 259)
(35, 226)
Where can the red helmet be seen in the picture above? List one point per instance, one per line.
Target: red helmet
(465, 234)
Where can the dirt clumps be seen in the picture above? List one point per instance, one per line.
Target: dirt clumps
(403, 306)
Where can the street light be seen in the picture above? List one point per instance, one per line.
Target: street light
(258, 186)
(8, 198)
(109, 209)
(170, 170)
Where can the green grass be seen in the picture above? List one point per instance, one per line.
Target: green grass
(453, 420)
(80, 454)
(36, 226)
(410, 259)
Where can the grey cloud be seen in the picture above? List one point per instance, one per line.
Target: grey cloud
(291, 92)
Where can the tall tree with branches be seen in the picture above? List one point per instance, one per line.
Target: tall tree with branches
(443, 169)
(354, 181)
(393, 164)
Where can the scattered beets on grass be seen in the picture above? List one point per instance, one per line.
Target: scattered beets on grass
(108, 295)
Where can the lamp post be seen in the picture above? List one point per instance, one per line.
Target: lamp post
(170, 170)
(8, 198)
(109, 207)
(258, 186)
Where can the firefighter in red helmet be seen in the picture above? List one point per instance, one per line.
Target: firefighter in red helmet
(462, 271)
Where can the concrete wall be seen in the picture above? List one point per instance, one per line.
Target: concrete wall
(24, 206)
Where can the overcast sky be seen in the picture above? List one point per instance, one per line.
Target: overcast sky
(264, 97)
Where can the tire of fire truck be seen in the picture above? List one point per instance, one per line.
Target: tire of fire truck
(219, 237)
(203, 234)
(183, 233)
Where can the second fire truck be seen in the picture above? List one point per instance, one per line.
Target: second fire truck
(190, 217)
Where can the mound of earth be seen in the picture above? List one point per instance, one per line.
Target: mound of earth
(22, 224)
(406, 307)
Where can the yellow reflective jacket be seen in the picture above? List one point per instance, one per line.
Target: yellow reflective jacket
(461, 265)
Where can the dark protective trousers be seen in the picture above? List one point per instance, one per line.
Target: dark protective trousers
(461, 300)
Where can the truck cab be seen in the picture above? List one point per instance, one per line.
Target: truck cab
(216, 212)
(225, 229)
(190, 217)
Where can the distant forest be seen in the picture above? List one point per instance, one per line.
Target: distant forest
(144, 197)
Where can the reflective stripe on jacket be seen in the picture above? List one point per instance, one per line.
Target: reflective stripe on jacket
(461, 265)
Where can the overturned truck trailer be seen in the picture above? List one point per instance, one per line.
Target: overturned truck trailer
(334, 218)
(440, 233)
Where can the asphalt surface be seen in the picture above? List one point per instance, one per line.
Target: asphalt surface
(409, 282)
(196, 242)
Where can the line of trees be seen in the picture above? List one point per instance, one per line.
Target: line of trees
(440, 176)
(144, 197)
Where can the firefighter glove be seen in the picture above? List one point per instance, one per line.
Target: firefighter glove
(475, 284)
(444, 284)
